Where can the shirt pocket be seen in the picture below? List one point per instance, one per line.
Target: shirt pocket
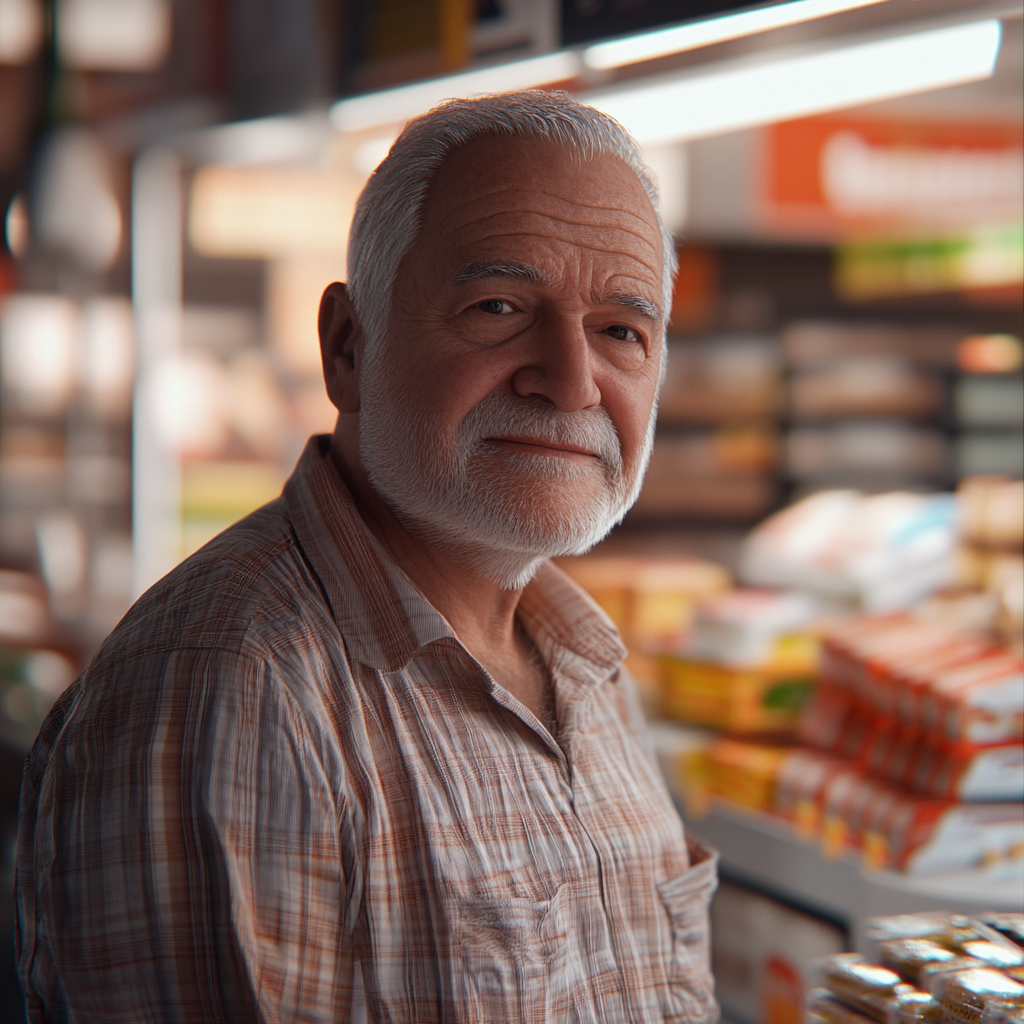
(512, 954)
(691, 996)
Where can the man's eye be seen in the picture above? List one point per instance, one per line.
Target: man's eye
(622, 333)
(495, 306)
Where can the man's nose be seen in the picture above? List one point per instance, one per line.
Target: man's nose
(560, 368)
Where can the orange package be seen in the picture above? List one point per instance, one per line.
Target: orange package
(745, 773)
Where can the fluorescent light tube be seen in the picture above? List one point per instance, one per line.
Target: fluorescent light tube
(712, 102)
(617, 52)
(392, 106)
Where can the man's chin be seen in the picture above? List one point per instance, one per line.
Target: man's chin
(537, 529)
(504, 519)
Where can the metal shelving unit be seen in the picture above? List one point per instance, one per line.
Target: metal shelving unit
(763, 852)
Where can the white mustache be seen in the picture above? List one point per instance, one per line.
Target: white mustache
(506, 416)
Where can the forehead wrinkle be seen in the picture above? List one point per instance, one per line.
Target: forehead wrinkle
(593, 210)
(640, 228)
(579, 245)
(559, 220)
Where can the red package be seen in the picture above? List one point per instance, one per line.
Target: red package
(800, 787)
(876, 827)
(969, 772)
(824, 719)
(880, 746)
(906, 750)
(915, 675)
(930, 836)
(935, 701)
(987, 711)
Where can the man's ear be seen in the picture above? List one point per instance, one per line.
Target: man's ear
(341, 343)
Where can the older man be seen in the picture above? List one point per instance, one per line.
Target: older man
(368, 752)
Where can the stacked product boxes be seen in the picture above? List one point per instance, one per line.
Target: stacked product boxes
(912, 750)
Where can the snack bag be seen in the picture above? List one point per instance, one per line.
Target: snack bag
(1002, 1013)
(865, 987)
(875, 991)
(907, 1006)
(966, 995)
(908, 957)
(1009, 925)
(994, 954)
(824, 1008)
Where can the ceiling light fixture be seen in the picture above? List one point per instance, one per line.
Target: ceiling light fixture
(393, 106)
(738, 96)
(615, 53)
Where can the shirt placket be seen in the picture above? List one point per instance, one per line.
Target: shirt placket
(576, 700)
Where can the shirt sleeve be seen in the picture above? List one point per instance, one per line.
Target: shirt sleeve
(182, 852)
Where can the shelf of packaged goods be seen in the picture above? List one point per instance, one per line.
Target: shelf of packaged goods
(764, 852)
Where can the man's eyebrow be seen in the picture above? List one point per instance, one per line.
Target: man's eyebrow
(637, 302)
(534, 275)
(518, 271)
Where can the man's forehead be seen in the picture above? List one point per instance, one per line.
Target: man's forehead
(533, 210)
(537, 175)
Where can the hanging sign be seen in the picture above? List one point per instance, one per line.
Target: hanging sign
(836, 176)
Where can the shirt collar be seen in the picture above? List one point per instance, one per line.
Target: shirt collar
(556, 611)
(385, 620)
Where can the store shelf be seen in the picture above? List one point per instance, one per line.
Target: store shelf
(763, 852)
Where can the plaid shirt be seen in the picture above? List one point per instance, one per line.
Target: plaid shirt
(283, 780)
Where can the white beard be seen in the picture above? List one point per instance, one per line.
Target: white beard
(502, 512)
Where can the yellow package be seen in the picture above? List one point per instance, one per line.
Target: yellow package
(746, 701)
(745, 773)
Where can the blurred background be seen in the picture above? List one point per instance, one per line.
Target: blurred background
(839, 442)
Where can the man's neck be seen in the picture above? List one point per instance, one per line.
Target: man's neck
(481, 612)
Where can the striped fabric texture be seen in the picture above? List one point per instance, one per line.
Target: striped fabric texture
(283, 773)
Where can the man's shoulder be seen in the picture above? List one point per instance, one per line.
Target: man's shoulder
(247, 589)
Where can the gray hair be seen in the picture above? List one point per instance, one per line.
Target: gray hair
(389, 212)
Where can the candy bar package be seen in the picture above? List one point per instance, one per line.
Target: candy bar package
(874, 991)
(824, 1008)
(868, 988)
(957, 933)
(908, 957)
(965, 995)
(993, 954)
(932, 973)
(907, 1006)
(933, 968)
(1002, 1013)
(1009, 925)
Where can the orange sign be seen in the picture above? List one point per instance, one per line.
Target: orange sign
(828, 176)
